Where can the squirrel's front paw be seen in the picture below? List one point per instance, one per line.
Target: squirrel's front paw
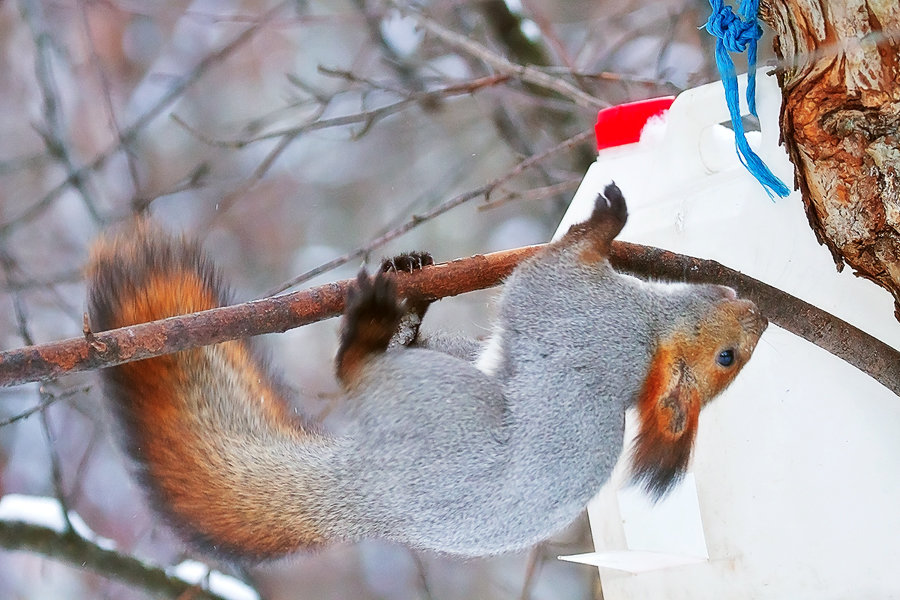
(416, 306)
(406, 262)
(372, 315)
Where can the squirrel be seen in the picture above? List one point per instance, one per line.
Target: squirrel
(457, 446)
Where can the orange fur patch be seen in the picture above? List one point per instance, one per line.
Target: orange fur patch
(188, 470)
(185, 467)
(170, 405)
(668, 412)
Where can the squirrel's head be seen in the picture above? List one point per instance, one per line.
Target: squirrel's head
(697, 355)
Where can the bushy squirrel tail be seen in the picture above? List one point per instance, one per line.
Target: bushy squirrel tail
(218, 447)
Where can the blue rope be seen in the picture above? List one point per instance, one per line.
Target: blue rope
(734, 34)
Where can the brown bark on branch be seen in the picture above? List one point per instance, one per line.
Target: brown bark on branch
(840, 81)
(267, 315)
(278, 314)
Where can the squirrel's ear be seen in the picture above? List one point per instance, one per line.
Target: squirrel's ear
(668, 410)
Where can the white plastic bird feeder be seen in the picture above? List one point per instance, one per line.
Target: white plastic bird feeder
(795, 484)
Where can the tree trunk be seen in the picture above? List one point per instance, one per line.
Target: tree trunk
(840, 80)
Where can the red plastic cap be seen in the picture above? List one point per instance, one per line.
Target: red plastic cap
(622, 124)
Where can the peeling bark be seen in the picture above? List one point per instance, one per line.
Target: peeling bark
(840, 121)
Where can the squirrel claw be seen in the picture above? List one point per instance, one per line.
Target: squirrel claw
(406, 262)
(410, 262)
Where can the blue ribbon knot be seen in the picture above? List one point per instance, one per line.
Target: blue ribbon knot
(740, 34)
(735, 33)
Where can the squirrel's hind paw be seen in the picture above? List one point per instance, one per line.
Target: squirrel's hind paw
(610, 205)
(597, 233)
(610, 213)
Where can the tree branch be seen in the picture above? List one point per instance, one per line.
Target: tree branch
(523, 72)
(270, 315)
(365, 118)
(54, 132)
(485, 190)
(129, 134)
(267, 315)
(71, 548)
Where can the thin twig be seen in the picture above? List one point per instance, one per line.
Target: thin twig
(27, 413)
(18, 285)
(79, 479)
(422, 572)
(366, 82)
(74, 550)
(228, 200)
(315, 123)
(525, 73)
(9, 269)
(107, 96)
(130, 133)
(540, 193)
(54, 135)
(21, 163)
(193, 179)
(46, 400)
(548, 33)
(668, 38)
(367, 118)
(55, 469)
(484, 191)
(612, 76)
(409, 76)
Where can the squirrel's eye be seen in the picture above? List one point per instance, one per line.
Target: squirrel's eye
(725, 358)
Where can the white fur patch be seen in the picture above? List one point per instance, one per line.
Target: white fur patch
(489, 360)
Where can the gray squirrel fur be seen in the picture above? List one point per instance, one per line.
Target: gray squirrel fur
(454, 445)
